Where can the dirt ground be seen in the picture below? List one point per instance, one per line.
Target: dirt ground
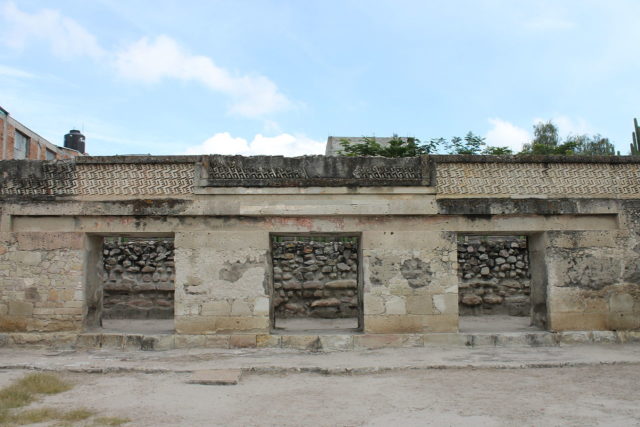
(580, 396)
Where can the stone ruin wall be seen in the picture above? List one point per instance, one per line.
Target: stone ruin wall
(315, 279)
(139, 278)
(494, 276)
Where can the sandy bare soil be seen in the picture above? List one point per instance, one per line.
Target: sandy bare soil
(601, 395)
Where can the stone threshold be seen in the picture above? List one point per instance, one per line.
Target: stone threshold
(312, 342)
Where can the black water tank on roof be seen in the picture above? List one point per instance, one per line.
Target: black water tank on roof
(74, 140)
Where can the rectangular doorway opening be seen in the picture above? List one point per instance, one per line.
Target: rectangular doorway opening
(495, 286)
(135, 286)
(316, 286)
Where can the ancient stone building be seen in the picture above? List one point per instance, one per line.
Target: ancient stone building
(242, 243)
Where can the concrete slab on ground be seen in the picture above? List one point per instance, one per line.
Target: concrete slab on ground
(216, 377)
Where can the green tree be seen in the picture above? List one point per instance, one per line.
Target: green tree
(396, 147)
(470, 144)
(594, 145)
(546, 141)
(497, 151)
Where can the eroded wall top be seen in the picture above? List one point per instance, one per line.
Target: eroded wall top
(451, 176)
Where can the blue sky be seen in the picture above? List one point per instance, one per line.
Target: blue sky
(278, 77)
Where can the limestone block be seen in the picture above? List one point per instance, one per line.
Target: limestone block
(190, 341)
(229, 240)
(301, 342)
(393, 324)
(621, 302)
(20, 308)
(373, 304)
(49, 241)
(446, 303)
(220, 324)
(242, 341)
(624, 320)
(574, 337)
(440, 323)
(216, 341)
(376, 341)
(240, 308)
(336, 342)
(604, 337)
(261, 306)
(395, 305)
(28, 257)
(578, 321)
(268, 341)
(114, 341)
(444, 339)
(421, 304)
(216, 308)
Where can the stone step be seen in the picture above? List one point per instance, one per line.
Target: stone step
(313, 342)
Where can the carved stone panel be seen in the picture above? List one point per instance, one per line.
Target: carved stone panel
(277, 171)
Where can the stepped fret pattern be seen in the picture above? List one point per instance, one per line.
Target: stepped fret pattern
(55, 180)
(135, 179)
(576, 179)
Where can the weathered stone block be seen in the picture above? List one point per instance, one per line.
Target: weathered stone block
(216, 308)
(376, 341)
(20, 308)
(268, 341)
(302, 342)
(336, 342)
(242, 341)
(190, 341)
(216, 341)
(440, 323)
(422, 304)
(373, 304)
(240, 308)
(394, 324)
(395, 305)
(621, 302)
(578, 321)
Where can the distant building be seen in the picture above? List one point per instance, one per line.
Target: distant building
(19, 142)
(334, 143)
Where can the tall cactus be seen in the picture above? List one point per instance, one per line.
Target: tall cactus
(635, 145)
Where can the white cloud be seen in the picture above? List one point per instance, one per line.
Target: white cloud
(15, 72)
(151, 60)
(505, 134)
(284, 144)
(65, 36)
(568, 126)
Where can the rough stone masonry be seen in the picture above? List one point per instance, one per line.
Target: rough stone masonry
(580, 216)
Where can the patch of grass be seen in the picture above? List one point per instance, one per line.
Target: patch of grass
(33, 416)
(43, 383)
(111, 421)
(22, 392)
(14, 396)
(41, 415)
(77, 415)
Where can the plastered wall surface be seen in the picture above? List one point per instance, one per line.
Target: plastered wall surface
(582, 219)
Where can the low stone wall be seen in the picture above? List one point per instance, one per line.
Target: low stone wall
(494, 277)
(315, 279)
(139, 279)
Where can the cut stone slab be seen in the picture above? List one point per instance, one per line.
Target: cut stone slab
(216, 377)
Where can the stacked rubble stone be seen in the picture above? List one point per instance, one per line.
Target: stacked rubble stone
(315, 279)
(139, 279)
(494, 277)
